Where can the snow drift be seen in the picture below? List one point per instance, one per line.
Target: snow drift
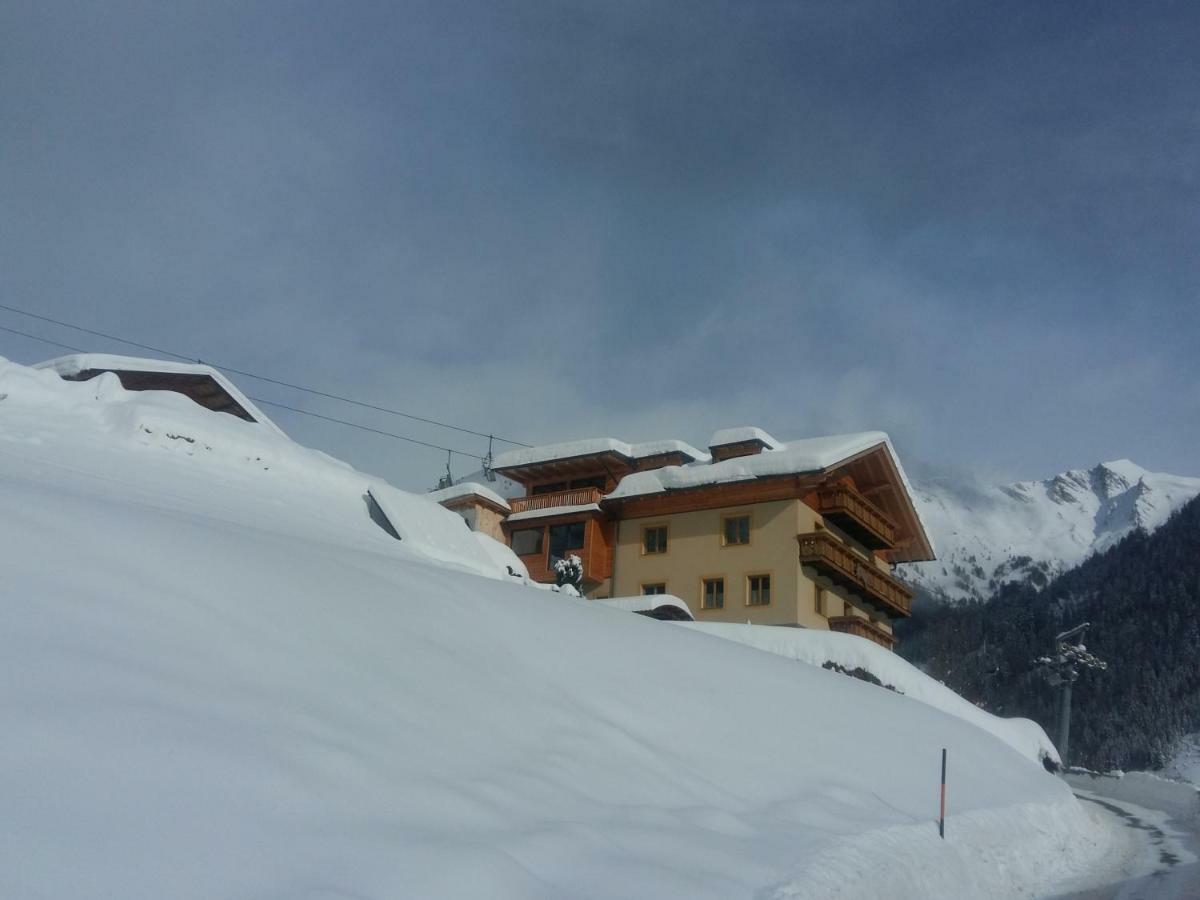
(222, 678)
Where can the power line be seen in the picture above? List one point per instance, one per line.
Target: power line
(399, 437)
(245, 374)
(34, 337)
(303, 412)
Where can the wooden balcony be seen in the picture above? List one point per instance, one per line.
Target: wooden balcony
(857, 516)
(863, 629)
(845, 568)
(575, 497)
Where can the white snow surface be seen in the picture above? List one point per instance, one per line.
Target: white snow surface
(1184, 764)
(740, 435)
(83, 362)
(467, 489)
(222, 679)
(988, 535)
(817, 647)
(553, 511)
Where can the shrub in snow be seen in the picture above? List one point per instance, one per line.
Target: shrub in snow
(568, 572)
(858, 672)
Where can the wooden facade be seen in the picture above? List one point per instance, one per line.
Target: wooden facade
(832, 559)
(863, 628)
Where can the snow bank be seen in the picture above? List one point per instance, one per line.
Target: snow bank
(817, 647)
(223, 679)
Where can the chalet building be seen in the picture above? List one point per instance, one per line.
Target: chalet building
(200, 383)
(755, 530)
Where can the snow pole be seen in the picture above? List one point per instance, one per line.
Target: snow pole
(942, 812)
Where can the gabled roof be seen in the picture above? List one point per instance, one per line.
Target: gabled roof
(225, 392)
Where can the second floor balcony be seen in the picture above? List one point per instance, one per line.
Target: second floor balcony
(857, 516)
(836, 561)
(556, 499)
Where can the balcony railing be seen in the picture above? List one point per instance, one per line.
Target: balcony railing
(841, 565)
(862, 628)
(858, 516)
(575, 497)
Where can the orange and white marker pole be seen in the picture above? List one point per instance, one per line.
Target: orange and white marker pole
(942, 811)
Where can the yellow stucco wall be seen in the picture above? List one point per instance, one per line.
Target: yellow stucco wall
(695, 551)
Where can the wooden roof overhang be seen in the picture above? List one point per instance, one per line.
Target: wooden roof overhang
(203, 389)
(609, 461)
(762, 489)
(876, 477)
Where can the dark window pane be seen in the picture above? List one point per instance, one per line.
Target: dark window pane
(550, 488)
(564, 538)
(527, 541)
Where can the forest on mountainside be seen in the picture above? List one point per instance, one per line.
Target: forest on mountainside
(1142, 598)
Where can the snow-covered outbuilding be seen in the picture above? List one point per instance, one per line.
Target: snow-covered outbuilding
(200, 383)
(482, 508)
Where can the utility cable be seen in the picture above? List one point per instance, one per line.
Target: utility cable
(303, 412)
(245, 374)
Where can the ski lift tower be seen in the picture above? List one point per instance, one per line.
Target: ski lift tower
(1062, 669)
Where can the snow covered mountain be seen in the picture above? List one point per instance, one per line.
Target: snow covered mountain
(988, 535)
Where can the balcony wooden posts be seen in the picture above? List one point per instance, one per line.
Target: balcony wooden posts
(862, 628)
(857, 516)
(845, 568)
(575, 497)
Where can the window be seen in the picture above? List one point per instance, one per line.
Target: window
(599, 481)
(736, 530)
(758, 590)
(713, 596)
(654, 539)
(564, 538)
(653, 590)
(527, 541)
(549, 488)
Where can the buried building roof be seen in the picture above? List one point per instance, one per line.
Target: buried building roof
(202, 384)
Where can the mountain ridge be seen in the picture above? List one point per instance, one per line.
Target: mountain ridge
(991, 535)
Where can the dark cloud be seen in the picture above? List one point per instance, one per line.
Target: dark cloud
(970, 224)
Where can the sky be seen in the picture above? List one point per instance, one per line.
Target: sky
(972, 225)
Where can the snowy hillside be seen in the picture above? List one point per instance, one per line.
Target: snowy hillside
(223, 678)
(989, 535)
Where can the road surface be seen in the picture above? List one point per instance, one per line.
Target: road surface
(1155, 856)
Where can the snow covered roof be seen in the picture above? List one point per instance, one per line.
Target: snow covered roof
(467, 489)
(726, 436)
(71, 366)
(530, 456)
(794, 458)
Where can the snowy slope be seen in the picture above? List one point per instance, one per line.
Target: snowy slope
(818, 647)
(223, 679)
(989, 535)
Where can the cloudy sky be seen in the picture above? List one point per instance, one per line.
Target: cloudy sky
(973, 225)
